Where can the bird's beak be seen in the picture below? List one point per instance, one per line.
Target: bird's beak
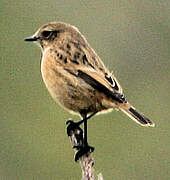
(32, 38)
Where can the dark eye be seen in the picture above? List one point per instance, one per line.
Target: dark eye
(46, 34)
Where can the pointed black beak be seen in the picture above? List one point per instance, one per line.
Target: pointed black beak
(32, 38)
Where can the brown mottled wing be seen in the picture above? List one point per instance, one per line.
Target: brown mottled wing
(101, 84)
(93, 61)
(87, 59)
(83, 62)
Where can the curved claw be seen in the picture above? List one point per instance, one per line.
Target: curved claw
(83, 151)
(69, 122)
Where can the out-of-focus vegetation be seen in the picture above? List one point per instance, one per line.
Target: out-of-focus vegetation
(132, 38)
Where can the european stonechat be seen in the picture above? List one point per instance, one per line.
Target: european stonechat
(77, 78)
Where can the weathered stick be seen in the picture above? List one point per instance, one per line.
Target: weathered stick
(86, 161)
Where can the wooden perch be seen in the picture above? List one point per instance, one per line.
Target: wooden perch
(86, 161)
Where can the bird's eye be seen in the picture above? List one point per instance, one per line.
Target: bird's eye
(46, 34)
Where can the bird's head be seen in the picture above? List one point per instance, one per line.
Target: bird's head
(54, 33)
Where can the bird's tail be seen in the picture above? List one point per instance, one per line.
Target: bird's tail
(129, 110)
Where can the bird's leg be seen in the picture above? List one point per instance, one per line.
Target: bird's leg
(75, 125)
(83, 148)
(85, 132)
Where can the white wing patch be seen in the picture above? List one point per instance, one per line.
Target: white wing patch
(112, 82)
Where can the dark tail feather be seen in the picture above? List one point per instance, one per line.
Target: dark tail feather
(136, 116)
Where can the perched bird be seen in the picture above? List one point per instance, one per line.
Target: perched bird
(76, 77)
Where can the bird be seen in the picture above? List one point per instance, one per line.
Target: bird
(77, 78)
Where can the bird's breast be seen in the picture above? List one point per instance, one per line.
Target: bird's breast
(70, 91)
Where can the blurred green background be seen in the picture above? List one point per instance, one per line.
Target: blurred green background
(132, 38)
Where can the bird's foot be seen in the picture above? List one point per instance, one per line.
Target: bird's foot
(72, 127)
(81, 145)
(83, 150)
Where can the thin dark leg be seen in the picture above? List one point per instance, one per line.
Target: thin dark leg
(85, 132)
(71, 125)
(85, 127)
(86, 118)
(83, 148)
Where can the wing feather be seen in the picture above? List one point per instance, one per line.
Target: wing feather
(99, 84)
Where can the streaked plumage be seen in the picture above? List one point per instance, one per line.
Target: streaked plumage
(75, 75)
